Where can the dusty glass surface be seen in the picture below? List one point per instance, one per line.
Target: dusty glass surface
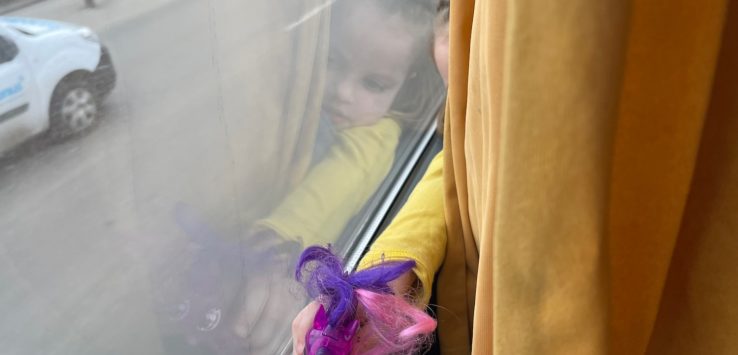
(163, 162)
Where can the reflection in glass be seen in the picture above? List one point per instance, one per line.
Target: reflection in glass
(237, 134)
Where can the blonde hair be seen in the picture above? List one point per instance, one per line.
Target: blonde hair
(423, 86)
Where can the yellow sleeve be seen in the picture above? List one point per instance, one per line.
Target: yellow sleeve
(336, 188)
(418, 232)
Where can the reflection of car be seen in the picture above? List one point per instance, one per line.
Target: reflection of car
(53, 76)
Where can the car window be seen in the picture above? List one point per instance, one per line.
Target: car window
(176, 157)
(8, 50)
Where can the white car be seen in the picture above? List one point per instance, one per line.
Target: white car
(53, 77)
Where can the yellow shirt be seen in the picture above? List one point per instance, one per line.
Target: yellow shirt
(418, 232)
(336, 188)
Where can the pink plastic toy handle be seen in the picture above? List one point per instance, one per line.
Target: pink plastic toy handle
(324, 339)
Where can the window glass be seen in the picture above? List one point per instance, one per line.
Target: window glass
(173, 157)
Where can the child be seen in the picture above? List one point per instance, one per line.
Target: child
(421, 222)
(440, 40)
(427, 204)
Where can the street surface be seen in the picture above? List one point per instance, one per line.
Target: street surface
(82, 221)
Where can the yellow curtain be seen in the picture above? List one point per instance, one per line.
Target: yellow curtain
(591, 178)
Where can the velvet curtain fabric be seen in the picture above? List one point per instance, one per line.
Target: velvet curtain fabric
(591, 178)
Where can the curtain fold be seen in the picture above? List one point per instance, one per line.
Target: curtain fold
(588, 210)
(305, 89)
(697, 313)
(455, 281)
(287, 71)
(671, 57)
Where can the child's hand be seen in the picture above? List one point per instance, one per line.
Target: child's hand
(301, 325)
(406, 286)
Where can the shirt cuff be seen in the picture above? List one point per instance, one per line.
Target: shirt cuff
(374, 257)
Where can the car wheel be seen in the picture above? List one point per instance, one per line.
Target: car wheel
(73, 109)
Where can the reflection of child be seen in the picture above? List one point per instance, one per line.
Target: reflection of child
(374, 50)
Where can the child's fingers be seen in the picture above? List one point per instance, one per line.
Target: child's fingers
(406, 285)
(301, 325)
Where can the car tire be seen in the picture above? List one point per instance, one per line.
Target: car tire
(74, 108)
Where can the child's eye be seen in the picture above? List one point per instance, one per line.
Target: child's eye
(374, 85)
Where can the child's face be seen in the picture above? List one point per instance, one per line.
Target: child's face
(440, 50)
(370, 56)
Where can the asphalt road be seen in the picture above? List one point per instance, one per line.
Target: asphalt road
(82, 221)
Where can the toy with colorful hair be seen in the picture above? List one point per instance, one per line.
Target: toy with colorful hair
(359, 313)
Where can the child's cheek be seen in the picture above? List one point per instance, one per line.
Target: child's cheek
(375, 107)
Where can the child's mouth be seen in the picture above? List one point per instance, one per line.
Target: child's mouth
(335, 116)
